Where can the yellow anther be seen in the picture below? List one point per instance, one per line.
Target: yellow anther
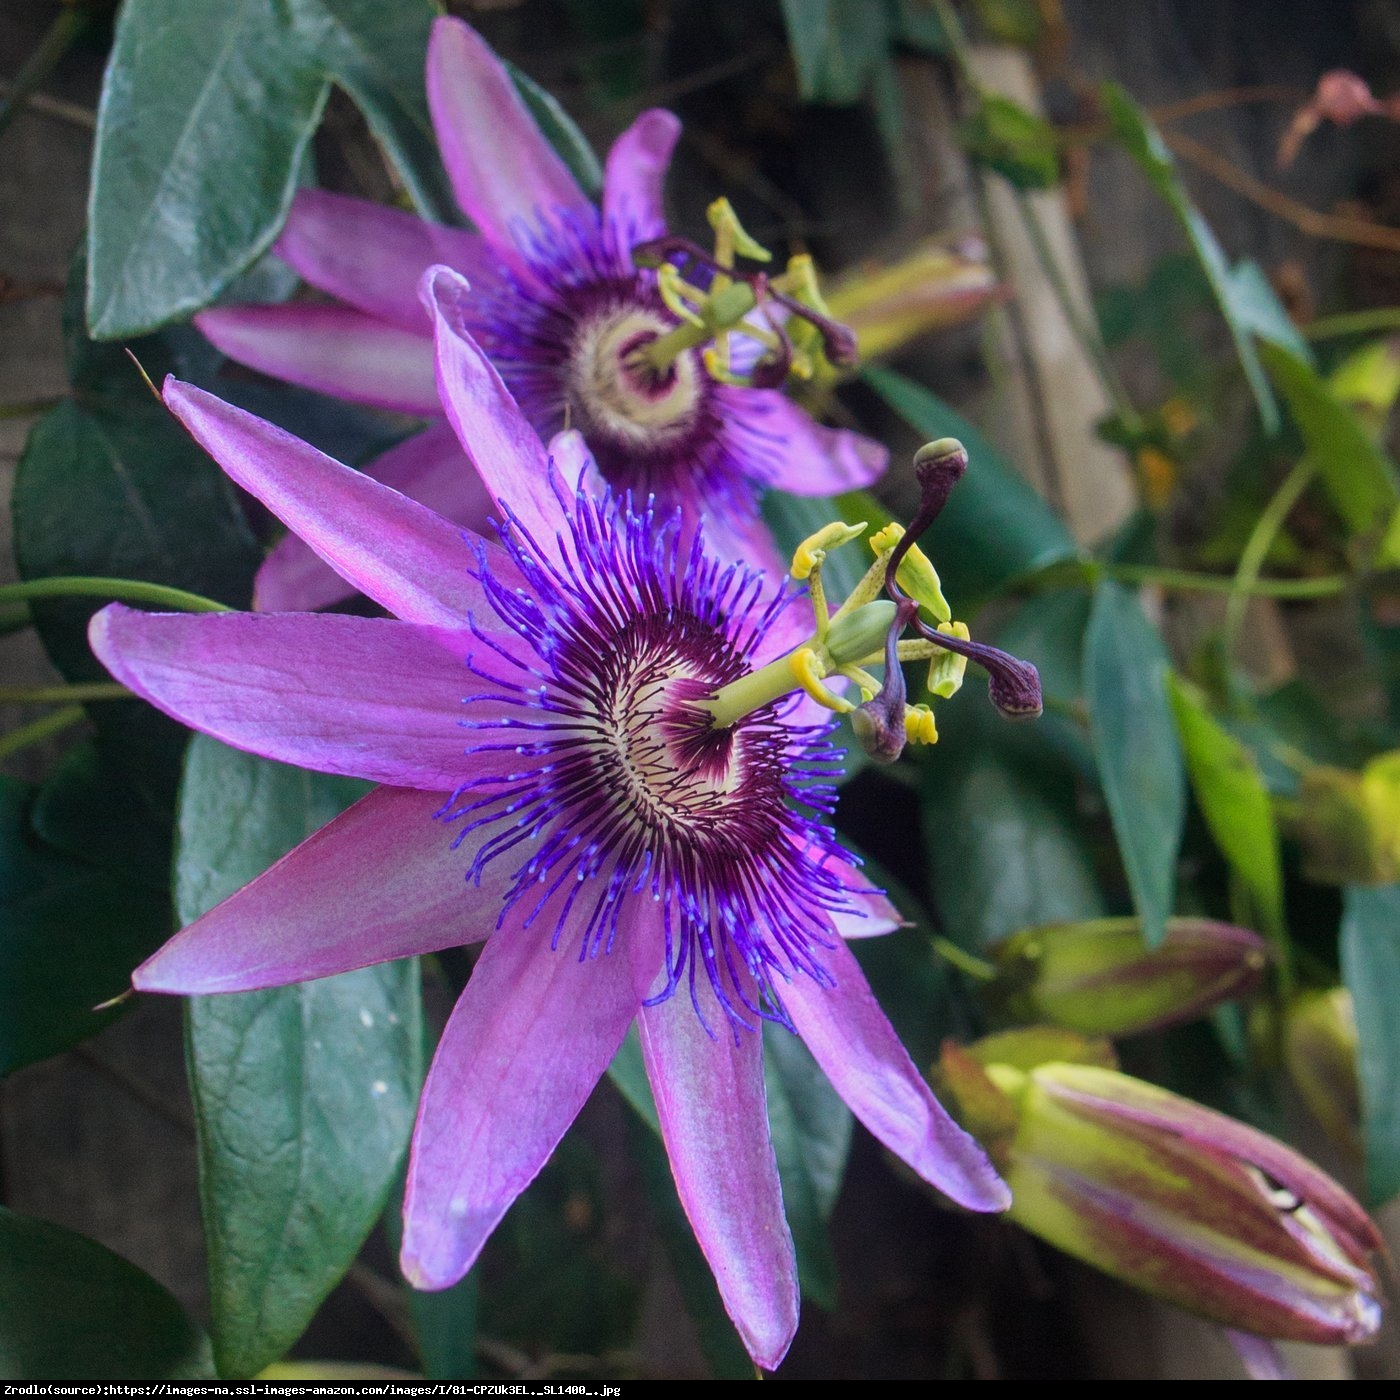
(674, 290)
(946, 669)
(917, 576)
(808, 672)
(919, 725)
(813, 550)
(731, 237)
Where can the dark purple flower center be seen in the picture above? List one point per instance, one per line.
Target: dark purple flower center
(564, 338)
(625, 791)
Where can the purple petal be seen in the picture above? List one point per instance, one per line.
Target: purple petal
(429, 468)
(1263, 1361)
(528, 1040)
(334, 349)
(365, 697)
(714, 1120)
(501, 167)
(372, 257)
(635, 177)
(792, 453)
(572, 459)
(394, 550)
(381, 881)
(870, 913)
(854, 1043)
(498, 439)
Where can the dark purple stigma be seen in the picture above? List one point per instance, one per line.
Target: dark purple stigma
(838, 340)
(879, 723)
(1012, 684)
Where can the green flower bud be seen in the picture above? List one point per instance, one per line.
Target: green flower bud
(1319, 1049)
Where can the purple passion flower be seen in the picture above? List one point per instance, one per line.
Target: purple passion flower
(559, 305)
(549, 786)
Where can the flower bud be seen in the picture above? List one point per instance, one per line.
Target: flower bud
(1349, 823)
(1101, 978)
(1175, 1199)
(1319, 1048)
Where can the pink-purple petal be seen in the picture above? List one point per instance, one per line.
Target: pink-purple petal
(501, 166)
(364, 697)
(869, 913)
(635, 177)
(529, 1038)
(429, 468)
(496, 436)
(714, 1120)
(333, 349)
(857, 1048)
(396, 551)
(372, 257)
(792, 453)
(381, 881)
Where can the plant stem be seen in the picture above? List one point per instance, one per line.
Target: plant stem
(1381, 318)
(1260, 541)
(72, 19)
(58, 694)
(961, 959)
(1326, 587)
(125, 590)
(27, 735)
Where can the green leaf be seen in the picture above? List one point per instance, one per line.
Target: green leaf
(1019, 145)
(561, 131)
(1005, 843)
(70, 933)
(811, 1129)
(1370, 949)
(1358, 475)
(1125, 670)
(837, 45)
(994, 526)
(304, 1095)
(1234, 802)
(71, 1310)
(1242, 295)
(206, 113)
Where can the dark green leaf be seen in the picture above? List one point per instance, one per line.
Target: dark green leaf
(1125, 670)
(1370, 948)
(1006, 845)
(994, 526)
(1241, 294)
(72, 1310)
(304, 1095)
(1234, 802)
(71, 931)
(1358, 475)
(561, 131)
(206, 112)
(836, 45)
(1020, 146)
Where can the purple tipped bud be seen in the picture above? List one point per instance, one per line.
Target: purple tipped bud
(1175, 1199)
(1101, 978)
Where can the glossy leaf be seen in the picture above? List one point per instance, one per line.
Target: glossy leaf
(1234, 802)
(1358, 475)
(1242, 295)
(1006, 845)
(1019, 145)
(206, 112)
(994, 526)
(72, 1310)
(1125, 671)
(837, 45)
(304, 1095)
(71, 930)
(1370, 951)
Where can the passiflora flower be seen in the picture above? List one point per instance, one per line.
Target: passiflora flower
(591, 761)
(1173, 1198)
(665, 379)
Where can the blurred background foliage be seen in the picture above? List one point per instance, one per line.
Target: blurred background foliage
(1064, 236)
